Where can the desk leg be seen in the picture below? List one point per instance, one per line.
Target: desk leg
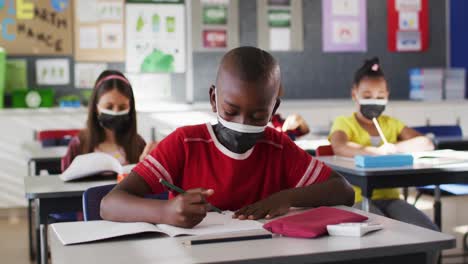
(365, 204)
(44, 249)
(30, 230)
(37, 230)
(437, 207)
(31, 168)
(41, 229)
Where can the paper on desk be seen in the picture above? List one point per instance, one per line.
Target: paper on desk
(214, 223)
(441, 157)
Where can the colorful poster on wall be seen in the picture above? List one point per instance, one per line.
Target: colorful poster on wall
(215, 38)
(408, 25)
(344, 25)
(214, 24)
(40, 27)
(279, 22)
(16, 76)
(279, 2)
(155, 39)
(99, 30)
(215, 12)
(52, 71)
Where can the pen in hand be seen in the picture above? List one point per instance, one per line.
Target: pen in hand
(182, 191)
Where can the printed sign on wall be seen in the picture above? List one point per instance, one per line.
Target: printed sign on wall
(215, 24)
(408, 25)
(52, 72)
(344, 25)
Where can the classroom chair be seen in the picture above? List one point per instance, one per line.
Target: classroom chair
(440, 131)
(56, 137)
(326, 150)
(92, 201)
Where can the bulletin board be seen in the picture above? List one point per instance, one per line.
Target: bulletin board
(41, 27)
(99, 30)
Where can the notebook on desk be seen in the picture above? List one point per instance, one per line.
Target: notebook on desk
(93, 165)
(441, 157)
(215, 227)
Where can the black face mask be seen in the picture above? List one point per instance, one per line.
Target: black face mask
(371, 111)
(114, 122)
(235, 141)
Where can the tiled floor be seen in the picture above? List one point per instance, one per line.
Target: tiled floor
(14, 244)
(13, 228)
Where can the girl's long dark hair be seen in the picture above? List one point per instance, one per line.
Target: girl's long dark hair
(94, 134)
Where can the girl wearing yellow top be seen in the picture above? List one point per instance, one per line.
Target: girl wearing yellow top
(357, 135)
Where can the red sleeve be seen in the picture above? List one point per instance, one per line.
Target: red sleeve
(301, 168)
(72, 151)
(164, 162)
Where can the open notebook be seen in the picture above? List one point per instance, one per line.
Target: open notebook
(92, 164)
(214, 227)
(441, 157)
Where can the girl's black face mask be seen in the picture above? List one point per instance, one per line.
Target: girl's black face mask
(372, 111)
(372, 108)
(115, 121)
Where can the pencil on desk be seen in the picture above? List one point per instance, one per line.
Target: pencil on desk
(381, 134)
(182, 191)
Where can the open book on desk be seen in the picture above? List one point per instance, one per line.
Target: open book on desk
(214, 228)
(93, 164)
(441, 157)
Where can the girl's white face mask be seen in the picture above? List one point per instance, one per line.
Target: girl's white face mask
(241, 128)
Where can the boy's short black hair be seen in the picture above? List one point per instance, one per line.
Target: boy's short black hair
(370, 69)
(251, 64)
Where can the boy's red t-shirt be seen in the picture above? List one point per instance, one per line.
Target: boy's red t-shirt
(192, 157)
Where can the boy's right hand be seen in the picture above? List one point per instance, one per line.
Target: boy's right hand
(188, 209)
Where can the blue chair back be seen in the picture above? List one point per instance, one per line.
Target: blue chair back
(92, 201)
(440, 131)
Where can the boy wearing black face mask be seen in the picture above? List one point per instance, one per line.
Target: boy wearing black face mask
(238, 164)
(357, 135)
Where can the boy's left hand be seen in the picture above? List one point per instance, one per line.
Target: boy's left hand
(275, 205)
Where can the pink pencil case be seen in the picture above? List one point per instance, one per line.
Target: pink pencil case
(312, 223)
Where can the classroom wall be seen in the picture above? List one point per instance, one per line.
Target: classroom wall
(312, 74)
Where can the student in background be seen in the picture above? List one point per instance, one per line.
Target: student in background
(356, 135)
(294, 125)
(111, 126)
(239, 164)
